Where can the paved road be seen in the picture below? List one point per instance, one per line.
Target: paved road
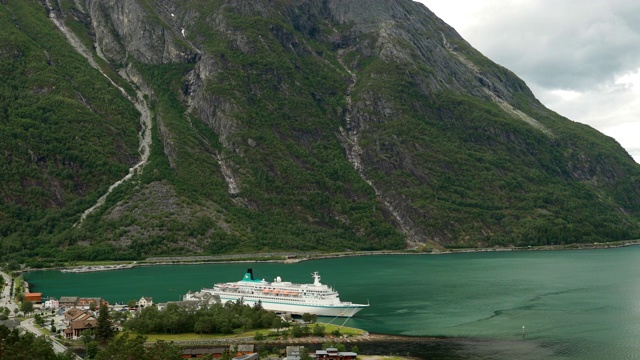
(5, 300)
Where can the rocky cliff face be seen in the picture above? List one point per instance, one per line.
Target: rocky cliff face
(129, 29)
(342, 124)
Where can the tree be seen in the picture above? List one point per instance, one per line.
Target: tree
(277, 323)
(67, 355)
(162, 350)
(39, 319)
(26, 307)
(318, 330)
(89, 344)
(339, 346)
(118, 316)
(104, 328)
(124, 348)
(305, 354)
(228, 355)
(12, 266)
(296, 330)
(92, 349)
(24, 346)
(309, 318)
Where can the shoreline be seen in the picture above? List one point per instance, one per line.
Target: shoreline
(289, 258)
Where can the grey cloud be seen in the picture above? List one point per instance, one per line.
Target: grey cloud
(563, 44)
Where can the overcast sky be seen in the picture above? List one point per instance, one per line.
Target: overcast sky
(580, 58)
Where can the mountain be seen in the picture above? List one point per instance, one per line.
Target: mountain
(153, 127)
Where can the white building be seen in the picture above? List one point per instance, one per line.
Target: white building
(52, 304)
(144, 302)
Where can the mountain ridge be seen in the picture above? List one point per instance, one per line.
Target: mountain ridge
(324, 125)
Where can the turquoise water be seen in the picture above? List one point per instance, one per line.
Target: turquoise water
(582, 304)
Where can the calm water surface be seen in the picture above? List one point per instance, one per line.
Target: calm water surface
(574, 304)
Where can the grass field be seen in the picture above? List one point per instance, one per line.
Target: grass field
(269, 333)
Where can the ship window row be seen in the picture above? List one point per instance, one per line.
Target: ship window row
(304, 291)
(289, 299)
(323, 293)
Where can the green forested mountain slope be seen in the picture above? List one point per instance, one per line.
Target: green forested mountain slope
(285, 125)
(66, 132)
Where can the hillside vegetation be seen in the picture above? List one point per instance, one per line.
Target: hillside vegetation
(285, 126)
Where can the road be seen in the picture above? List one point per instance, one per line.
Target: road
(5, 299)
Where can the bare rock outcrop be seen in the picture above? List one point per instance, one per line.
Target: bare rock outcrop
(125, 28)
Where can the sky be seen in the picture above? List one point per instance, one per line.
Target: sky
(580, 58)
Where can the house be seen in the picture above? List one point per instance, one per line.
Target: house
(183, 304)
(197, 353)
(68, 301)
(81, 323)
(33, 297)
(204, 297)
(194, 353)
(333, 354)
(294, 352)
(190, 304)
(72, 313)
(144, 302)
(80, 302)
(244, 350)
(88, 303)
(240, 352)
(286, 317)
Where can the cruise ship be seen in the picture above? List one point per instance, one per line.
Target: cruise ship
(286, 297)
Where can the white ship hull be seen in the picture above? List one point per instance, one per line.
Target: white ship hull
(299, 309)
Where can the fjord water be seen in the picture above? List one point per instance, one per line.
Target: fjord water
(582, 304)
